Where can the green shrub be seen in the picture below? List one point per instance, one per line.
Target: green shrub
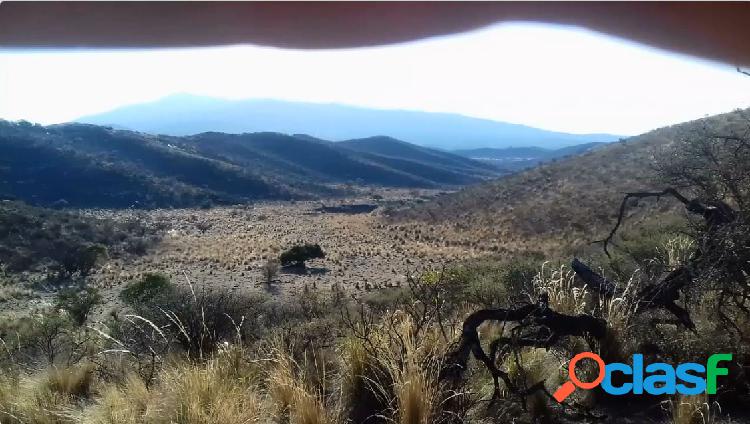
(297, 255)
(492, 284)
(78, 303)
(84, 259)
(152, 286)
(197, 319)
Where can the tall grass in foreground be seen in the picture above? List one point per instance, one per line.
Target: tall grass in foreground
(298, 397)
(559, 284)
(48, 397)
(693, 410)
(412, 367)
(384, 370)
(187, 393)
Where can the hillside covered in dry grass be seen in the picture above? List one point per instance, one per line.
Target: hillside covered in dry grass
(569, 202)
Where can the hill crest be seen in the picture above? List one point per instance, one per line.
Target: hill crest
(188, 115)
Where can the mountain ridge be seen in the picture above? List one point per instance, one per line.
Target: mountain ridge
(86, 165)
(186, 114)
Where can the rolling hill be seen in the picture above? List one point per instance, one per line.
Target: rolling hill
(571, 201)
(93, 166)
(185, 114)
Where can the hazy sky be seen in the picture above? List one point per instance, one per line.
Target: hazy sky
(555, 78)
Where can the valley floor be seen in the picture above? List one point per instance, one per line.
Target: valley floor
(228, 246)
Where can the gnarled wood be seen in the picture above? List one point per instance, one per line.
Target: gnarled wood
(592, 279)
(549, 326)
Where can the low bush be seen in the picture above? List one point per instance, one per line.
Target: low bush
(298, 255)
(195, 318)
(78, 303)
(83, 259)
(150, 288)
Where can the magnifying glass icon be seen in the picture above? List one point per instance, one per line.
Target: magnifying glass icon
(569, 386)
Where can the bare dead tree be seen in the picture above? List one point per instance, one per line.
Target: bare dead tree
(536, 325)
(665, 292)
(714, 170)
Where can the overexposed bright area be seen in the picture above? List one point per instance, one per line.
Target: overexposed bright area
(556, 78)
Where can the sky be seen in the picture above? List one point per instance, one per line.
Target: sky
(556, 78)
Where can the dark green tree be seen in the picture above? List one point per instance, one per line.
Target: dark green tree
(84, 259)
(298, 255)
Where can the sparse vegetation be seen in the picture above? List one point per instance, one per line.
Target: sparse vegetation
(78, 303)
(270, 271)
(386, 332)
(36, 239)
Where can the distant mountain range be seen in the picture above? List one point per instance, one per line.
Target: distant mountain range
(93, 166)
(185, 114)
(518, 158)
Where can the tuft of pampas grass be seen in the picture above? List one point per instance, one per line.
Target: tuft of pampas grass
(695, 409)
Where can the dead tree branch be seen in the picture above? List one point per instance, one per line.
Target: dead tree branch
(664, 293)
(592, 279)
(638, 195)
(549, 327)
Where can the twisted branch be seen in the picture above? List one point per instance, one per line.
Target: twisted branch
(551, 326)
(638, 195)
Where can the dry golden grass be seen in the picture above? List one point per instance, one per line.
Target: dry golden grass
(678, 250)
(693, 410)
(74, 381)
(49, 397)
(232, 252)
(413, 372)
(565, 297)
(127, 403)
(297, 396)
(212, 393)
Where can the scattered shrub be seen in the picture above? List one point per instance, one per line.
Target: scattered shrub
(78, 303)
(298, 255)
(34, 238)
(149, 289)
(270, 270)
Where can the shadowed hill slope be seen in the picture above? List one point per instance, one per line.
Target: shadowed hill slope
(91, 166)
(390, 147)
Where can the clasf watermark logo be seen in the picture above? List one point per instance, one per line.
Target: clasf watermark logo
(658, 378)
